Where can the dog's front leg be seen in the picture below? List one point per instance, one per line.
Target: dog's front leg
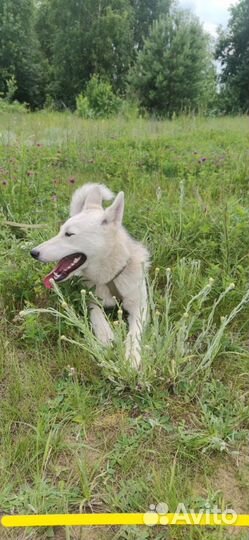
(101, 327)
(136, 319)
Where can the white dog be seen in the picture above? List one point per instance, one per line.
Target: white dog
(93, 244)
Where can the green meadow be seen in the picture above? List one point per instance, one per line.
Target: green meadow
(80, 431)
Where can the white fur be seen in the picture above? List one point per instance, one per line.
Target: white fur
(99, 234)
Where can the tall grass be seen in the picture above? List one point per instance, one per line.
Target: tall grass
(172, 350)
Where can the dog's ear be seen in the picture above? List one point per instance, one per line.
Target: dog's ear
(88, 196)
(114, 213)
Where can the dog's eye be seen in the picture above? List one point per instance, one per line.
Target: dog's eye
(69, 233)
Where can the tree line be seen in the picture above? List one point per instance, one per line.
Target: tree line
(150, 51)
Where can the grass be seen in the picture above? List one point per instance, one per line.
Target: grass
(79, 430)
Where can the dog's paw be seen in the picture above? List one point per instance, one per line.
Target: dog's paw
(100, 326)
(105, 335)
(135, 361)
(133, 356)
(106, 340)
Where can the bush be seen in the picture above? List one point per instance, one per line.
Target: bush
(7, 103)
(99, 101)
(83, 108)
(129, 109)
(14, 107)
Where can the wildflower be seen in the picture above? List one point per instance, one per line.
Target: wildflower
(64, 305)
(157, 270)
(54, 197)
(202, 160)
(71, 180)
(120, 312)
(30, 173)
(39, 145)
(211, 280)
(83, 292)
(4, 182)
(72, 371)
(232, 286)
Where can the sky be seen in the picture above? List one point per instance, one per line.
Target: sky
(210, 12)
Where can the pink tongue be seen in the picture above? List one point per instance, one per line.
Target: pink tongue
(60, 268)
(47, 280)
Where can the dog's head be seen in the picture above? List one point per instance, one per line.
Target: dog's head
(87, 236)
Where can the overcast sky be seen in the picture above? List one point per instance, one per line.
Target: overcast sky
(211, 12)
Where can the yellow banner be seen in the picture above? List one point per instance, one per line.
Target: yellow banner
(148, 518)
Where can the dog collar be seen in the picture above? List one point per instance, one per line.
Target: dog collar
(111, 285)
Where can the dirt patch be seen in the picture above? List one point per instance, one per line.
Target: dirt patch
(84, 533)
(61, 533)
(226, 481)
(105, 430)
(8, 534)
(113, 421)
(180, 412)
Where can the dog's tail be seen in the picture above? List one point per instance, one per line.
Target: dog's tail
(89, 196)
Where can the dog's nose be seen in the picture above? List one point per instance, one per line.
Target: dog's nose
(35, 253)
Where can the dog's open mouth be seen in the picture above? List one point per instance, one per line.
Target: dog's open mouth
(64, 268)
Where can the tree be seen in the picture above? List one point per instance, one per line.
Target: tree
(63, 28)
(145, 12)
(113, 27)
(20, 57)
(174, 69)
(233, 53)
(85, 37)
(80, 38)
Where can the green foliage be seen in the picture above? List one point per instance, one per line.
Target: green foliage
(8, 104)
(145, 12)
(20, 57)
(88, 25)
(174, 72)
(99, 100)
(232, 52)
(83, 108)
(11, 88)
(50, 68)
(113, 27)
(146, 49)
(13, 107)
